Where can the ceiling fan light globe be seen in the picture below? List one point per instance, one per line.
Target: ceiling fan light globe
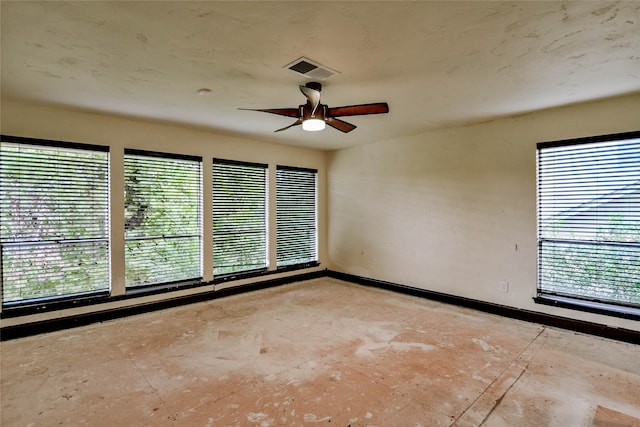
(313, 125)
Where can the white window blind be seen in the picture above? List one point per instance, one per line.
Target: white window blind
(54, 219)
(239, 217)
(589, 219)
(163, 223)
(296, 222)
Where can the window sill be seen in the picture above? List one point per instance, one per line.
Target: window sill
(262, 272)
(298, 266)
(44, 305)
(228, 277)
(613, 310)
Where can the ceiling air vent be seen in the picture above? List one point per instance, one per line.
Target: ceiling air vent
(311, 69)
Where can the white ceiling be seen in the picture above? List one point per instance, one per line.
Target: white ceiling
(437, 64)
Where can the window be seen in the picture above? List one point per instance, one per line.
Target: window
(54, 219)
(162, 218)
(589, 221)
(239, 217)
(296, 217)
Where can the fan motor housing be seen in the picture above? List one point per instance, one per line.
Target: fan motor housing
(315, 86)
(306, 112)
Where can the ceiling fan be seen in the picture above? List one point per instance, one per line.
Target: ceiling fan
(313, 115)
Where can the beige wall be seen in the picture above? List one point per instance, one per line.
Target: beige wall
(454, 211)
(38, 121)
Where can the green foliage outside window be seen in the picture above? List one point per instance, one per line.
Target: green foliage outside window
(589, 219)
(162, 219)
(53, 221)
(239, 217)
(594, 270)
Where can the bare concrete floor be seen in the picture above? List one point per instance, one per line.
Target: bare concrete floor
(319, 352)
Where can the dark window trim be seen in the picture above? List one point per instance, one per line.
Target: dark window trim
(263, 272)
(42, 305)
(589, 139)
(161, 287)
(313, 172)
(54, 143)
(598, 307)
(294, 267)
(253, 272)
(66, 298)
(245, 274)
(184, 283)
(239, 163)
(136, 152)
(39, 327)
(45, 305)
(295, 168)
(574, 302)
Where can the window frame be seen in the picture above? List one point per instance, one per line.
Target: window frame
(568, 300)
(105, 237)
(197, 279)
(232, 275)
(280, 224)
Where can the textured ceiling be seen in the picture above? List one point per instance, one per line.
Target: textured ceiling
(437, 64)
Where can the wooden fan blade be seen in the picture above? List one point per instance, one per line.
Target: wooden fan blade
(296, 123)
(340, 124)
(289, 112)
(359, 110)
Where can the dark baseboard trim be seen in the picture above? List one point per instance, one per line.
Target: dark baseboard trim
(619, 334)
(34, 328)
(39, 327)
